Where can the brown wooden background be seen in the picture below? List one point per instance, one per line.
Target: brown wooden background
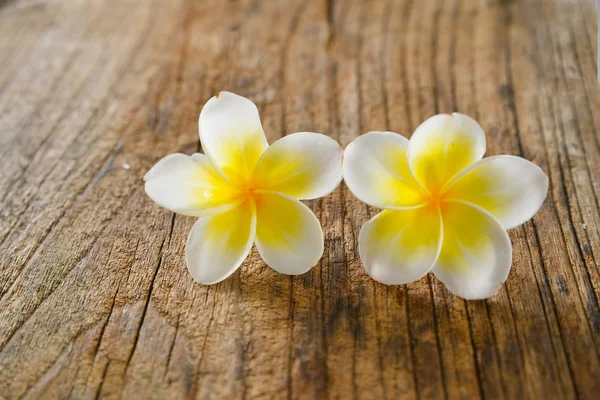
(95, 298)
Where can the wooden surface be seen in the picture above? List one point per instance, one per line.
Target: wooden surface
(95, 298)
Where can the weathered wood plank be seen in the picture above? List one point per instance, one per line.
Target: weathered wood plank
(95, 298)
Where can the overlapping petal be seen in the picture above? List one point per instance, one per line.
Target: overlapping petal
(442, 146)
(476, 252)
(510, 188)
(189, 186)
(217, 245)
(400, 246)
(376, 171)
(232, 135)
(288, 235)
(302, 165)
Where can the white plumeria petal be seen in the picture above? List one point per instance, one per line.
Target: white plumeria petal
(510, 188)
(288, 235)
(476, 252)
(442, 146)
(219, 244)
(401, 246)
(189, 186)
(376, 171)
(302, 165)
(232, 136)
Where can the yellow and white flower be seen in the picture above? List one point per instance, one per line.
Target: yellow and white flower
(246, 192)
(446, 209)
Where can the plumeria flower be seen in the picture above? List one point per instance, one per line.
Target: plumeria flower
(446, 209)
(246, 192)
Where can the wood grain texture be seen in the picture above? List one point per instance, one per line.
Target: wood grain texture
(95, 298)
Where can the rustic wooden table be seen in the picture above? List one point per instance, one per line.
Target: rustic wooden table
(95, 298)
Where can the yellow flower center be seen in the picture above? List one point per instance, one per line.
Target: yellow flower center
(436, 198)
(249, 188)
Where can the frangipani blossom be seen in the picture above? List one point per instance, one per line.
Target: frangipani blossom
(446, 209)
(246, 192)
